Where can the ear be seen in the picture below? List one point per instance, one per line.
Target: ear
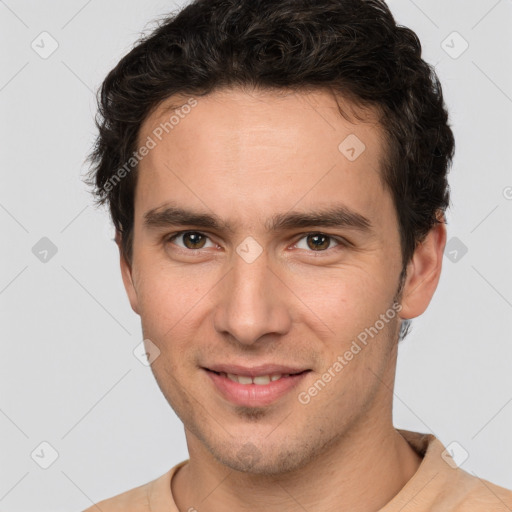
(126, 272)
(423, 272)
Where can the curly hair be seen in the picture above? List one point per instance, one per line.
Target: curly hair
(350, 47)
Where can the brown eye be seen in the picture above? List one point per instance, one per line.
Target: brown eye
(189, 240)
(194, 240)
(317, 242)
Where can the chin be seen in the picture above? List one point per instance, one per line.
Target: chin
(258, 459)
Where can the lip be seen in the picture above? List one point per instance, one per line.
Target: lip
(254, 371)
(254, 395)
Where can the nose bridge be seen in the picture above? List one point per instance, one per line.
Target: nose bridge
(251, 305)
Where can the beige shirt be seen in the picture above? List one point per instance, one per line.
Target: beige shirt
(437, 486)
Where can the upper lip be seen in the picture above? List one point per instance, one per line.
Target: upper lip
(255, 371)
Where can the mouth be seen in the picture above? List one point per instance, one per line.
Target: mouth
(257, 386)
(259, 380)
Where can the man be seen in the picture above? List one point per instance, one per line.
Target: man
(276, 172)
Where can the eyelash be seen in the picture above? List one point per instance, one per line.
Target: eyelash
(340, 241)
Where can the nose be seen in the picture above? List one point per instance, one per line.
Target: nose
(252, 302)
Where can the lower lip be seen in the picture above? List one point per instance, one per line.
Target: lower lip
(254, 395)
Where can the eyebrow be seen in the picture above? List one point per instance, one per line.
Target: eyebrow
(335, 217)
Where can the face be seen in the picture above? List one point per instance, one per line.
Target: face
(265, 244)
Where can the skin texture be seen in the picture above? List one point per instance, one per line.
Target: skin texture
(246, 156)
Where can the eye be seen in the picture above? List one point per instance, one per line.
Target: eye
(190, 240)
(317, 242)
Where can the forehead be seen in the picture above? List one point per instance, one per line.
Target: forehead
(253, 116)
(239, 150)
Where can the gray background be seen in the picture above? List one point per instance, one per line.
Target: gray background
(68, 373)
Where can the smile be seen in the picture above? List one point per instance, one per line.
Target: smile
(260, 380)
(254, 391)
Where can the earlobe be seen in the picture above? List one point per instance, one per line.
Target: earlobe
(423, 273)
(127, 275)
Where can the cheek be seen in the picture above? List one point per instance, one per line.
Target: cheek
(342, 301)
(162, 286)
(171, 302)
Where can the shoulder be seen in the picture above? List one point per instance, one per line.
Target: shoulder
(487, 496)
(133, 500)
(153, 495)
(441, 485)
(470, 493)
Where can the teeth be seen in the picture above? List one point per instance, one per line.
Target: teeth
(260, 380)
